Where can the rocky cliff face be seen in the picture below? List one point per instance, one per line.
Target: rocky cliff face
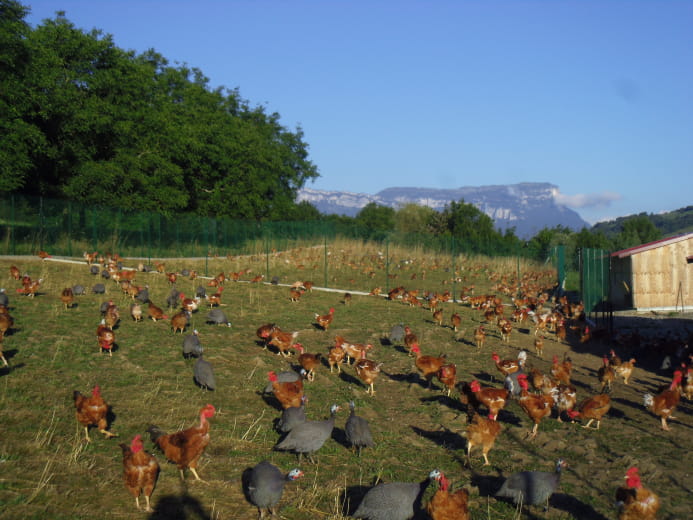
(528, 207)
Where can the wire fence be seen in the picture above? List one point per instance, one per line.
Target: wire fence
(66, 228)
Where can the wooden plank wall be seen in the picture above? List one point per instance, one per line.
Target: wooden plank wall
(662, 275)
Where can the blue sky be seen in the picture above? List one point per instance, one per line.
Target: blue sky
(595, 97)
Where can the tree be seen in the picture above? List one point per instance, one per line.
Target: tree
(86, 120)
(412, 218)
(18, 135)
(304, 211)
(636, 230)
(376, 221)
(471, 226)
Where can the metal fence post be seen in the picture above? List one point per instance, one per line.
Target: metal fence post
(267, 253)
(387, 265)
(12, 217)
(454, 275)
(41, 228)
(69, 228)
(325, 238)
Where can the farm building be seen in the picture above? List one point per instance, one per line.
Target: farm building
(654, 276)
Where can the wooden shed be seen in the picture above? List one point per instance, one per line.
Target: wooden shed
(654, 276)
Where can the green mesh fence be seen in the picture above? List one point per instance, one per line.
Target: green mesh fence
(68, 229)
(594, 279)
(557, 257)
(63, 228)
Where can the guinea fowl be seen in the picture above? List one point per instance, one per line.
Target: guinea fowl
(191, 345)
(512, 385)
(217, 317)
(358, 431)
(173, 298)
(532, 487)
(4, 300)
(309, 437)
(396, 334)
(204, 374)
(392, 501)
(292, 416)
(266, 485)
(143, 295)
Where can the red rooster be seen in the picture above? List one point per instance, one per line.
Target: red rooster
(492, 398)
(325, 320)
(445, 505)
(593, 408)
(634, 501)
(447, 375)
(92, 411)
(562, 370)
(283, 341)
(308, 361)
(184, 448)
(509, 366)
(482, 432)
(140, 471)
(428, 365)
(105, 337)
(664, 403)
(263, 332)
(535, 406)
(288, 393)
(367, 370)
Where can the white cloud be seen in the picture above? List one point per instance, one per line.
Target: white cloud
(586, 200)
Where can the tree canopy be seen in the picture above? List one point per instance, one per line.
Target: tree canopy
(86, 120)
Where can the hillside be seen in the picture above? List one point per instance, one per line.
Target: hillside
(670, 223)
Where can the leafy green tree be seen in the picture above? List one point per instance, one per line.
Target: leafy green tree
(304, 211)
(18, 135)
(587, 238)
(636, 230)
(91, 122)
(540, 245)
(471, 226)
(415, 219)
(377, 221)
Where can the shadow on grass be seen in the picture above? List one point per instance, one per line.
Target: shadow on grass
(445, 438)
(179, 507)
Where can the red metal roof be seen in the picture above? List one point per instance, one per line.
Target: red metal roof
(651, 245)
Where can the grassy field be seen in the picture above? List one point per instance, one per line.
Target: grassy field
(49, 471)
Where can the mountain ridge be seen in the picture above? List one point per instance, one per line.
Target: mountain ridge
(528, 206)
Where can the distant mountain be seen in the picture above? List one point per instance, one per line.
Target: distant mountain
(670, 223)
(528, 207)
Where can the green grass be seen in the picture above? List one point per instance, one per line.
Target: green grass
(49, 472)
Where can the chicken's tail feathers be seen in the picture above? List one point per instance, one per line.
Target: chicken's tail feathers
(155, 432)
(647, 400)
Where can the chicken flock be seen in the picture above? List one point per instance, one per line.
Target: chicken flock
(552, 395)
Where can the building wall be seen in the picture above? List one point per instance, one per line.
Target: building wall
(662, 278)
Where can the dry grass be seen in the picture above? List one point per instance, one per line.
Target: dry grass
(48, 471)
